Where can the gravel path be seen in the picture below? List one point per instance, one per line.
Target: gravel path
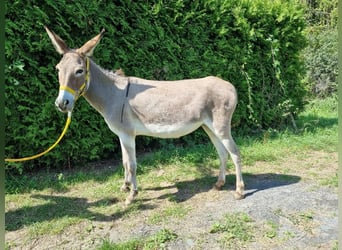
(304, 216)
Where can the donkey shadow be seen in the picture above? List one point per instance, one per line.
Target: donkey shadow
(63, 206)
(253, 183)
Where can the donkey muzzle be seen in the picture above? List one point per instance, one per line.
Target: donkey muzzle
(65, 101)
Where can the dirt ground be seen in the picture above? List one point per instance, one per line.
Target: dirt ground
(288, 211)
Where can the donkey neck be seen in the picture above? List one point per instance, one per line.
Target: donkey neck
(105, 89)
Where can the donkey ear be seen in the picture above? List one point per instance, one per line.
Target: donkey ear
(57, 42)
(88, 48)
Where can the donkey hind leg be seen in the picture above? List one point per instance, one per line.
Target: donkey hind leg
(130, 165)
(223, 155)
(234, 152)
(229, 146)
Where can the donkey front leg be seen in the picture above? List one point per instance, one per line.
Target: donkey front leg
(130, 165)
(126, 185)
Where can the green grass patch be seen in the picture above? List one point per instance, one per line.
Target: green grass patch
(330, 182)
(305, 220)
(53, 227)
(56, 181)
(271, 229)
(129, 245)
(173, 211)
(237, 229)
(156, 241)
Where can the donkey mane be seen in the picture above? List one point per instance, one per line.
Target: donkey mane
(113, 75)
(119, 72)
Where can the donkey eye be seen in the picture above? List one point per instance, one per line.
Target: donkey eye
(79, 72)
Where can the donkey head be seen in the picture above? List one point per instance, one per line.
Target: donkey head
(73, 70)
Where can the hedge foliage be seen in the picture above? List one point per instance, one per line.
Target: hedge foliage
(321, 61)
(255, 44)
(322, 13)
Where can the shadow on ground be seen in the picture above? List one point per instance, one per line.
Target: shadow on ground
(253, 184)
(63, 206)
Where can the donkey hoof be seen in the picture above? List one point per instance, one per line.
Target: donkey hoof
(218, 185)
(125, 188)
(128, 201)
(131, 196)
(238, 196)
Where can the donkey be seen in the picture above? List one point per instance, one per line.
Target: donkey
(133, 106)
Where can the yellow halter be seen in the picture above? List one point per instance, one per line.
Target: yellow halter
(84, 87)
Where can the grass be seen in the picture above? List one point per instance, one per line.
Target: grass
(53, 227)
(129, 245)
(50, 203)
(155, 241)
(173, 211)
(331, 181)
(303, 220)
(237, 228)
(271, 230)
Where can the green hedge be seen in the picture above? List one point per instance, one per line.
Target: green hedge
(255, 44)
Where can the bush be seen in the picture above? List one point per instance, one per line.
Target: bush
(255, 44)
(323, 13)
(321, 61)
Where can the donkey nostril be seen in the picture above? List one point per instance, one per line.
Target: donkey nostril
(66, 102)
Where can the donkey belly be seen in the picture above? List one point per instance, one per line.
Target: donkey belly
(167, 131)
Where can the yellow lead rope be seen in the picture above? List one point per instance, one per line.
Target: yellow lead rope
(68, 121)
(76, 94)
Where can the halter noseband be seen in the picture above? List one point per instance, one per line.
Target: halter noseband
(84, 87)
